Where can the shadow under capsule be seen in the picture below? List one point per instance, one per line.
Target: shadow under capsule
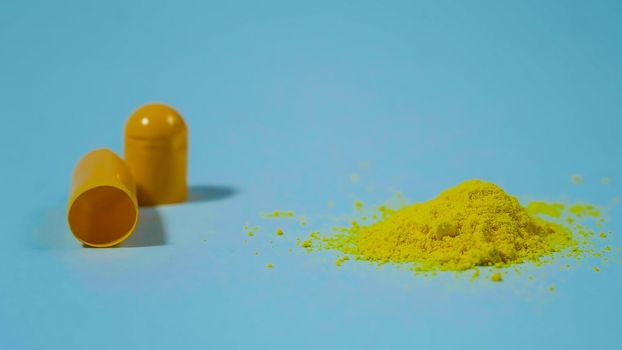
(149, 230)
(209, 193)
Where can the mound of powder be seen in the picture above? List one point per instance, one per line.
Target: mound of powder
(473, 224)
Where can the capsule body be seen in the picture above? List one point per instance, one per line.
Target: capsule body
(156, 152)
(102, 210)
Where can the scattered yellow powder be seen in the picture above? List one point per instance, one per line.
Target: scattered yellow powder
(358, 205)
(496, 277)
(279, 214)
(576, 179)
(250, 231)
(269, 266)
(596, 269)
(279, 232)
(553, 210)
(581, 210)
(341, 260)
(551, 288)
(602, 235)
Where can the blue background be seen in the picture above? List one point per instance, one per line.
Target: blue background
(283, 101)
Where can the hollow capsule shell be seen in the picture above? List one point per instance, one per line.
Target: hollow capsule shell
(156, 151)
(102, 210)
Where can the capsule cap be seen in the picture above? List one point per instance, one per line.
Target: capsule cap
(156, 147)
(155, 121)
(102, 210)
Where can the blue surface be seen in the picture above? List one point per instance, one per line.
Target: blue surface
(283, 101)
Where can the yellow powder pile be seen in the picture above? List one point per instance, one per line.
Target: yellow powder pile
(473, 224)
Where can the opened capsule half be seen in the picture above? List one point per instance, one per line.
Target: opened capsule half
(102, 209)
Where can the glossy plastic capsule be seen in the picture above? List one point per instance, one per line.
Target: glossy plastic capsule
(156, 151)
(102, 209)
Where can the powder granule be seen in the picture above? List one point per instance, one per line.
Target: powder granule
(473, 224)
(496, 277)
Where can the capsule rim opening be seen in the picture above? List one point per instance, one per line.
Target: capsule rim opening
(119, 200)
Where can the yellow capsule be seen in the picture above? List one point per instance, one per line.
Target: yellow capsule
(102, 209)
(156, 151)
